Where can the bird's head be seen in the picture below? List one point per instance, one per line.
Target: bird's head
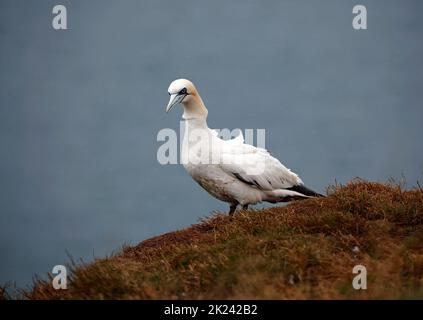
(180, 91)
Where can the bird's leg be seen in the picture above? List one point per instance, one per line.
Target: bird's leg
(232, 209)
(245, 207)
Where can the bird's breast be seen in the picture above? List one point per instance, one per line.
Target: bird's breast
(213, 180)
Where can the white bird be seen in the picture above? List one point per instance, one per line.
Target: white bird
(230, 170)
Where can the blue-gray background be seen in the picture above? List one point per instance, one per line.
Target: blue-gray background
(80, 109)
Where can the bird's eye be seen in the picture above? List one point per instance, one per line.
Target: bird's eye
(183, 91)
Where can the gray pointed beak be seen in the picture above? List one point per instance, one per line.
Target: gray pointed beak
(174, 100)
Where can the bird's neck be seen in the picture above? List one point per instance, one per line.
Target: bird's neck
(196, 128)
(195, 112)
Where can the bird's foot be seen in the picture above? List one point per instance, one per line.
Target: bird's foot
(232, 209)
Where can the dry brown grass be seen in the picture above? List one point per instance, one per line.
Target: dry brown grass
(301, 251)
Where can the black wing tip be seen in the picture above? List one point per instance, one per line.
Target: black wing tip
(300, 188)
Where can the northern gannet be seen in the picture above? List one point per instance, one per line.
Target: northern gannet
(230, 170)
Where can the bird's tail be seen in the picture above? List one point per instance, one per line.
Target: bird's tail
(302, 189)
(298, 192)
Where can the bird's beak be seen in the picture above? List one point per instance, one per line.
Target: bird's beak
(174, 99)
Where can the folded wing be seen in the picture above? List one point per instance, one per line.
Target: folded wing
(256, 167)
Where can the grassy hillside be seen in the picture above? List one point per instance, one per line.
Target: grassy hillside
(305, 250)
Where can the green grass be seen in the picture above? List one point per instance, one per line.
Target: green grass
(305, 250)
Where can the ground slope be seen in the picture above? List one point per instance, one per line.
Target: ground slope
(305, 250)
